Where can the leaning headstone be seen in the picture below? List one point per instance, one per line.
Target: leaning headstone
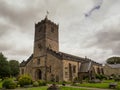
(53, 87)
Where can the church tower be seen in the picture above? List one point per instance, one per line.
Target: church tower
(46, 36)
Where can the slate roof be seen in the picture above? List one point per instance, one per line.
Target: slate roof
(23, 63)
(114, 65)
(64, 56)
(85, 66)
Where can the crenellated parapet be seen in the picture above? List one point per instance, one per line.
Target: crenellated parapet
(46, 21)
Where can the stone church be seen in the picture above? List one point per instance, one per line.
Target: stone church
(48, 63)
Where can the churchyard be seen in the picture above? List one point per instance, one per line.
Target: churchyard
(41, 85)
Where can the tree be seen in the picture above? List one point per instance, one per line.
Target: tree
(14, 67)
(113, 60)
(4, 67)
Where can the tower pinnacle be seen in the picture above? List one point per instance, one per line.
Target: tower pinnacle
(47, 13)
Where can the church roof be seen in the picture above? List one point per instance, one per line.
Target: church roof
(66, 56)
(23, 63)
(85, 67)
(86, 63)
(114, 65)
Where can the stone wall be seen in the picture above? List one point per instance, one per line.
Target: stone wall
(55, 68)
(98, 69)
(27, 69)
(109, 71)
(67, 72)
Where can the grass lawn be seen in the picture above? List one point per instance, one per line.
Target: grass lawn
(94, 85)
(45, 88)
(36, 88)
(0, 84)
(71, 88)
(103, 85)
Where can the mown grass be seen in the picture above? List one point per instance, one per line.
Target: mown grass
(94, 85)
(45, 88)
(108, 81)
(37, 88)
(103, 85)
(0, 84)
(72, 88)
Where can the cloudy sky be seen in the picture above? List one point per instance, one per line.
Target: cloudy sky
(96, 35)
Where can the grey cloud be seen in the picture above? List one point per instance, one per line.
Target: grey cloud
(116, 49)
(74, 31)
(25, 17)
(110, 36)
(19, 17)
(106, 39)
(5, 29)
(5, 46)
(21, 52)
(109, 40)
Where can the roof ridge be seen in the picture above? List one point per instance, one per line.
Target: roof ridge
(23, 63)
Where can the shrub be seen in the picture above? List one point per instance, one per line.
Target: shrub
(117, 79)
(101, 77)
(9, 84)
(35, 84)
(76, 80)
(25, 80)
(64, 82)
(98, 76)
(41, 83)
(18, 77)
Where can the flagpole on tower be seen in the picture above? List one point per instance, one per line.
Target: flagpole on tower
(47, 13)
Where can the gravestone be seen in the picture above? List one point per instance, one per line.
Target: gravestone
(53, 87)
(112, 85)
